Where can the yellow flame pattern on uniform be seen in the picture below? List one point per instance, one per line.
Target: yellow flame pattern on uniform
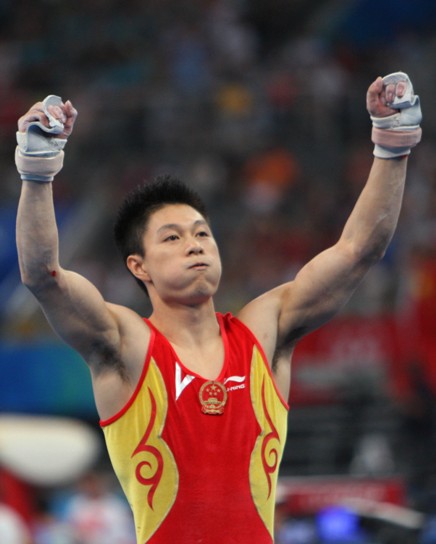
(271, 415)
(136, 446)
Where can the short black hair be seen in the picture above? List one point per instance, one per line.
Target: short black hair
(138, 206)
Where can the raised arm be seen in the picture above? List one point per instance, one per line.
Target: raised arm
(73, 306)
(325, 284)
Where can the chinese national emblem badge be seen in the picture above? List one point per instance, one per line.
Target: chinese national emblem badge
(213, 397)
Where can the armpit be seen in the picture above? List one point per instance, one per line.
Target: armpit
(104, 357)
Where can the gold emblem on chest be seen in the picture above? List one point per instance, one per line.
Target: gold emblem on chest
(213, 397)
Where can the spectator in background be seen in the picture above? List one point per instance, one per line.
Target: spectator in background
(269, 176)
(96, 514)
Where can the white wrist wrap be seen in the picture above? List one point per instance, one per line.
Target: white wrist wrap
(38, 168)
(39, 155)
(395, 135)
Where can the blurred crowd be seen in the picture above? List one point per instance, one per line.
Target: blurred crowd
(258, 105)
(262, 109)
(91, 511)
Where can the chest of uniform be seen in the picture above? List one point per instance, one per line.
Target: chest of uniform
(210, 413)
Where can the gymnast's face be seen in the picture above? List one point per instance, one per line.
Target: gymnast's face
(181, 259)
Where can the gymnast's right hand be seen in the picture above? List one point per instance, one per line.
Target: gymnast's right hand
(41, 137)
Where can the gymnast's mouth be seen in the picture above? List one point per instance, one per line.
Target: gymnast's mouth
(198, 266)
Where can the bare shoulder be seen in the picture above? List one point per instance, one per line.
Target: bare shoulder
(262, 316)
(126, 355)
(116, 369)
(127, 319)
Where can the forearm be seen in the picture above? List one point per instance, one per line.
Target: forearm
(41, 138)
(374, 218)
(37, 234)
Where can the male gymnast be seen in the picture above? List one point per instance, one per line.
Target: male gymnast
(193, 403)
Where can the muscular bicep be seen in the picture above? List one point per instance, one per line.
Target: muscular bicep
(321, 288)
(78, 313)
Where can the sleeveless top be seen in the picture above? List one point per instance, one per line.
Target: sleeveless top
(198, 459)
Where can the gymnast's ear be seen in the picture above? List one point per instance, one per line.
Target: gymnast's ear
(135, 263)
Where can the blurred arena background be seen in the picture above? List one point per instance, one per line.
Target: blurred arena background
(261, 107)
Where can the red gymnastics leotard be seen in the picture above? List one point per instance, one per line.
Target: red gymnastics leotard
(198, 460)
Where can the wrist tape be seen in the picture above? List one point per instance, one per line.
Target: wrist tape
(39, 168)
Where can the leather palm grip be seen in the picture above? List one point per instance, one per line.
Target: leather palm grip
(39, 155)
(396, 134)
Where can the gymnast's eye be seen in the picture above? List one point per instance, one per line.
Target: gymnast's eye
(171, 238)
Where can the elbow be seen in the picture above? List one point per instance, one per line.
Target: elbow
(38, 280)
(370, 243)
(368, 254)
(374, 253)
